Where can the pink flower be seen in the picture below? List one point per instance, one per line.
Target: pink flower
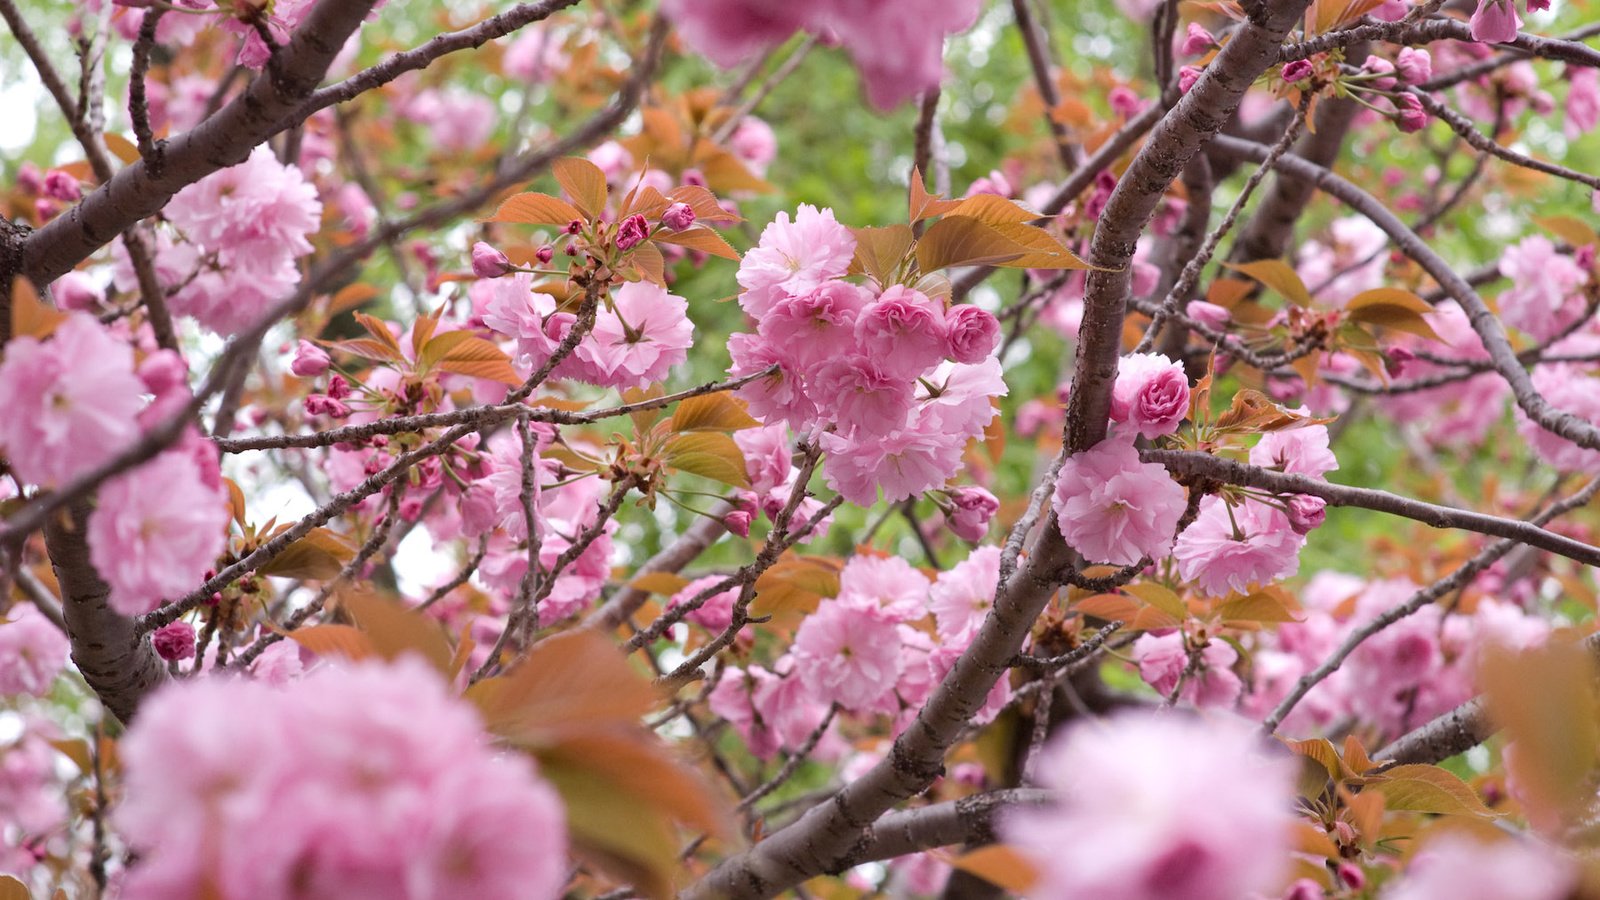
(768, 458)
(776, 398)
(1297, 70)
(1113, 508)
(974, 507)
(1414, 65)
(848, 653)
(456, 119)
(174, 641)
(1306, 513)
(1569, 392)
(76, 291)
(71, 402)
(1187, 76)
(716, 612)
(1151, 394)
(730, 31)
(961, 397)
(902, 463)
(1298, 451)
(1460, 867)
(1163, 659)
(33, 651)
(1385, 70)
(963, 594)
(887, 583)
(817, 326)
(733, 701)
(60, 185)
(310, 360)
(638, 340)
(536, 55)
(794, 258)
(899, 47)
(1234, 549)
(862, 396)
(1543, 298)
(973, 333)
(903, 331)
(1495, 22)
(1209, 314)
(1583, 101)
(156, 531)
(755, 143)
(1144, 817)
(372, 779)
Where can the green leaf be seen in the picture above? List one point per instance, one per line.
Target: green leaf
(1278, 275)
(1160, 597)
(584, 183)
(708, 454)
(536, 209)
(721, 411)
(1428, 789)
(964, 241)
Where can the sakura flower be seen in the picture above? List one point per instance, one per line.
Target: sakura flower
(1583, 101)
(32, 651)
(174, 641)
(1568, 392)
(903, 331)
(1145, 817)
(457, 120)
(963, 594)
(1151, 394)
(973, 333)
(887, 582)
(730, 31)
(754, 143)
(775, 398)
(1495, 22)
(714, 613)
(903, 463)
(1113, 508)
(372, 779)
(794, 257)
(817, 326)
(961, 397)
(973, 508)
(71, 401)
(155, 532)
(1298, 451)
(1543, 299)
(1468, 868)
(536, 55)
(865, 398)
(1233, 549)
(638, 339)
(848, 653)
(768, 458)
(1163, 659)
(310, 360)
(733, 701)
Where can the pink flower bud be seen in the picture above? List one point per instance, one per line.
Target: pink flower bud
(1306, 513)
(1584, 257)
(488, 262)
(974, 507)
(1415, 65)
(1198, 40)
(310, 360)
(29, 179)
(1125, 102)
(1379, 66)
(163, 371)
(1187, 76)
(575, 226)
(1209, 314)
(59, 185)
(174, 642)
(678, 216)
(1304, 889)
(1297, 71)
(632, 232)
(338, 388)
(737, 522)
(972, 333)
(1413, 117)
(76, 291)
(1351, 876)
(1396, 359)
(1495, 22)
(545, 254)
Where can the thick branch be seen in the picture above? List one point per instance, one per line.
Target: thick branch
(222, 140)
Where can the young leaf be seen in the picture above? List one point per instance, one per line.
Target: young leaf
(1160, 597)
(464, 353)
(395, 630)
(664, 583)
(1570, 229)
(796, 583)
(1044, 250)
(710, 455)
(1001, 866)
(697, 238)
(964, 241)
(29, 316)
(1266, 605)
(318, 556)
(536, 209)
(924, 205)
(380, 332)
(584, 183)
(569, 681)
(346, 641)
(992, 210)
(721, 411)
(1278, 275)
(1428, 789)
(879, 251)
(1392, 308)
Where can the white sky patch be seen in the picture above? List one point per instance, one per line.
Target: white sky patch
(19, 109)
(419, 564)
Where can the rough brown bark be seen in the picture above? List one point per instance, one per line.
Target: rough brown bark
(119, 664)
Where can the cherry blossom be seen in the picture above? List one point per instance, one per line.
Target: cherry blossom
(1113, 508)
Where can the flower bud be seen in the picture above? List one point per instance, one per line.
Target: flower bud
(1306, 513)
(1384, 69)
(310, 360)
(1414, 65)
(737, 522)
(1187, 76)
(488, 262)
(174, 641)
(75, 290)
(338, 388)
(678, 216)
(1198, 40)
(632, 232)
(59, 185)
(1297, 71)
(1413, 117)
(545, 254)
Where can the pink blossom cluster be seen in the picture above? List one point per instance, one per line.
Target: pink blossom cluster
(898, 46)
(1159, 806)
(866, 650)
(239, 232)
(33, 651)
(34, 797)
(1414, 669)
(77, 400)
(769, 464)
(1544, 298)
(640, 333)
(370, 780)
(898, 383)
(1459, 413)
